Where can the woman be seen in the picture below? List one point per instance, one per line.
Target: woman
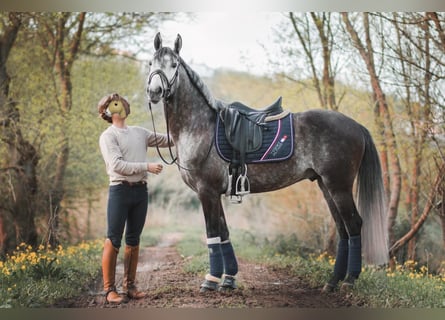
(124, 149)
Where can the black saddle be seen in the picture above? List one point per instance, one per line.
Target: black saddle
(244, 125)
(244, 131)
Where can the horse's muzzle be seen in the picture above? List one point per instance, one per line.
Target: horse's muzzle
(154, 95)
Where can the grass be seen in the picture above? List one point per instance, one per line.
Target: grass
(406, 286)
(37, 277)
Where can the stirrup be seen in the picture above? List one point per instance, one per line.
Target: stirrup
(240, 185)
(236, 199)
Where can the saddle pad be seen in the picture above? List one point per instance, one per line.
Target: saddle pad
(278, 142)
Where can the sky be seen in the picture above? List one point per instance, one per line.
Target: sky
(231, 40)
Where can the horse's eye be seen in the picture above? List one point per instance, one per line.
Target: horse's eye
(150, 63)
(174, 64)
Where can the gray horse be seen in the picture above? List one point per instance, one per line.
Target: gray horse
(329, 148)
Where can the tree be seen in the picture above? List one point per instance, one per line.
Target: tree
(324, 79)
(419, 62)
(18, 168)
(63, 37)
(389, 153)
(316, 35)
(60, 38)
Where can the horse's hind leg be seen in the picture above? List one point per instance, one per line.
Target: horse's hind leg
(353, 222)
(341, 259)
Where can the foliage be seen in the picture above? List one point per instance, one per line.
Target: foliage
(42, 124)
(37, 277)
(407, 286)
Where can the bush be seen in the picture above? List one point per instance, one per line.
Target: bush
(38, 277)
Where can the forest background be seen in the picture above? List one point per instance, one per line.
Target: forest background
(386, 70)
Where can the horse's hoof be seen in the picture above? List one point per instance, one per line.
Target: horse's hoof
(228, 284)
(208, 286)
(346, 287)
(225, 289)
(328, 288)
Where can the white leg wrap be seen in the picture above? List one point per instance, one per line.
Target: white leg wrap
(209, 277)
(215, 240)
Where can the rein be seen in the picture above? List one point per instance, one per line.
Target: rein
(166, 95)
(174, 159)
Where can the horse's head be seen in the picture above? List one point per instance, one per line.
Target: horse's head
(163, 70)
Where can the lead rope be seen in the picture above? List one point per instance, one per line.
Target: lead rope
(174, 159)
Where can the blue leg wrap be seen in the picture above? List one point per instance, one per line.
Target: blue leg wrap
(230, 263)
(341, 260)
(215, 259)
(355, 256)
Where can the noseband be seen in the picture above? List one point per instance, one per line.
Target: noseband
(166, 84)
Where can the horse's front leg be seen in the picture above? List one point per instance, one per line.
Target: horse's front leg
(221, 255)
(229, 259)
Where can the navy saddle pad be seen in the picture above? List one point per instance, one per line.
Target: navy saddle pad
(278, 142)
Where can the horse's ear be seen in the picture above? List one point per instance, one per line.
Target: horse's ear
(178, 43)
(158, 41)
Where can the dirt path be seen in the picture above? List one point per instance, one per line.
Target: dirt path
(160, 273)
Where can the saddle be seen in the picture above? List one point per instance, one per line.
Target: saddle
(244, 125)
(244, 131)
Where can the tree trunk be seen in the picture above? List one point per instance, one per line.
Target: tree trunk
(21, 161)
(366, 52)
(441, 208)
(429, 205)
(65, 55)
(324, 85)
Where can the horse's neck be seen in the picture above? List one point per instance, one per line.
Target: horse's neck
(189, 113)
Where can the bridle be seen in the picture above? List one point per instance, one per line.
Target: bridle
(166, 92)
(166, 95)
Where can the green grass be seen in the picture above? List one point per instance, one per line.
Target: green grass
(194, 249)
(38, 277)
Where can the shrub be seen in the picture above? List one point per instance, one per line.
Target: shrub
(37, 277)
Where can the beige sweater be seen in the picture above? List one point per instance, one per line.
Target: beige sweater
(125, 152)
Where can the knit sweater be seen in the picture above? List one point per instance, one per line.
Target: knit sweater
(125, 152)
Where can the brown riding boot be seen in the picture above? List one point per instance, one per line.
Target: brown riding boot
(109, 259)
(131, 256)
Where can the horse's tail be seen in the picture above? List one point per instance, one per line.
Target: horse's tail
(371, 204)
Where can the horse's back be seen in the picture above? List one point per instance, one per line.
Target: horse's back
(326, 123)
(329, 141)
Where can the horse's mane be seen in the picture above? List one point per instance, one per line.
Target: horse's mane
(213, 103)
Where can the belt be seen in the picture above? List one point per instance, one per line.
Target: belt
(134, 184)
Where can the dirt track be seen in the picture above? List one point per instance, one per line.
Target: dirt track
(161, 275)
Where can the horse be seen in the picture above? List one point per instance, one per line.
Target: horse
(329, 147)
